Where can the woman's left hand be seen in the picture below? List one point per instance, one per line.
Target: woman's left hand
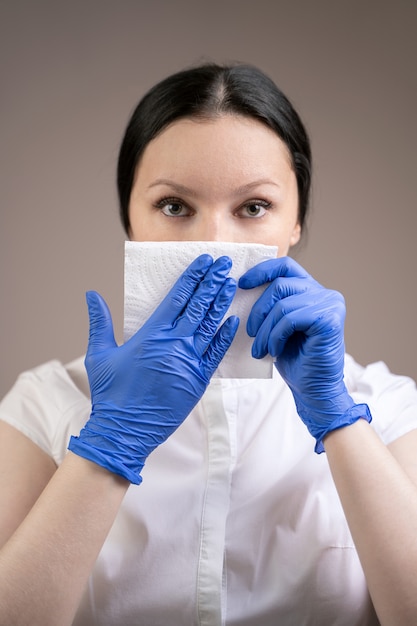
(300, 323)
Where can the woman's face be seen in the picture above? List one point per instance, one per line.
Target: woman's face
(227, 179)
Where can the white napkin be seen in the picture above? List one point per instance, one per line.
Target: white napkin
(151, 269)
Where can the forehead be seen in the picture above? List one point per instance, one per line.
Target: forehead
(227, 144)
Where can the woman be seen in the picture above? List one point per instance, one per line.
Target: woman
(239, 519)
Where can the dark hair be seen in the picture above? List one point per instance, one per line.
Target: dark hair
(207, 91)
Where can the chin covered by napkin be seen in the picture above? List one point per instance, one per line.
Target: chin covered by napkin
(151, 269)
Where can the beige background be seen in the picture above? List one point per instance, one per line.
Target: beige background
(70, 75)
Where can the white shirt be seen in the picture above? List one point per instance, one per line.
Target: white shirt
(237, 521)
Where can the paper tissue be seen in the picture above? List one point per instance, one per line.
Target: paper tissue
(151, 268)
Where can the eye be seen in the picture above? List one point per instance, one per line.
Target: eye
(173, 207)
(254, 208)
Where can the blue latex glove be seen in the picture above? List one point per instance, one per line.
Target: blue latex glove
(300, 323)
(143, 390)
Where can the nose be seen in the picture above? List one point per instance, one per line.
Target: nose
(214, 226)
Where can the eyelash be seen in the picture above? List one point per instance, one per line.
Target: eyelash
(163, 202)
(261, 203)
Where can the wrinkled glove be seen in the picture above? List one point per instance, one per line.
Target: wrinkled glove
(143, 390)
(300, 323)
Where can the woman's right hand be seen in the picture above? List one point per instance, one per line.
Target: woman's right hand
(143, 390)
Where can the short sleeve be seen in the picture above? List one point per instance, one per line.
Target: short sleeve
(392, 399)
(46, 406)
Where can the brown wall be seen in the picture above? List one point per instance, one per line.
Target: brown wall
(70, 75)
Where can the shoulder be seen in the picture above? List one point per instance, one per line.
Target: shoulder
(47, 402)
(392, 398)
(50, 384)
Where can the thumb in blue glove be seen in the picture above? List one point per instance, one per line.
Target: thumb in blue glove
(143, 390)
(301, 323)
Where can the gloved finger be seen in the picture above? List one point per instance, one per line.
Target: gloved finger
(325, 318)
(204, 296)
(219, 345)
(183, 289)
(269, 270)
(325, 326)
(278, 328)
(214, 316)
(101, 335)
(279, 289)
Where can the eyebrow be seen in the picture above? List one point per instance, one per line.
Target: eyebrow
(182, 189)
